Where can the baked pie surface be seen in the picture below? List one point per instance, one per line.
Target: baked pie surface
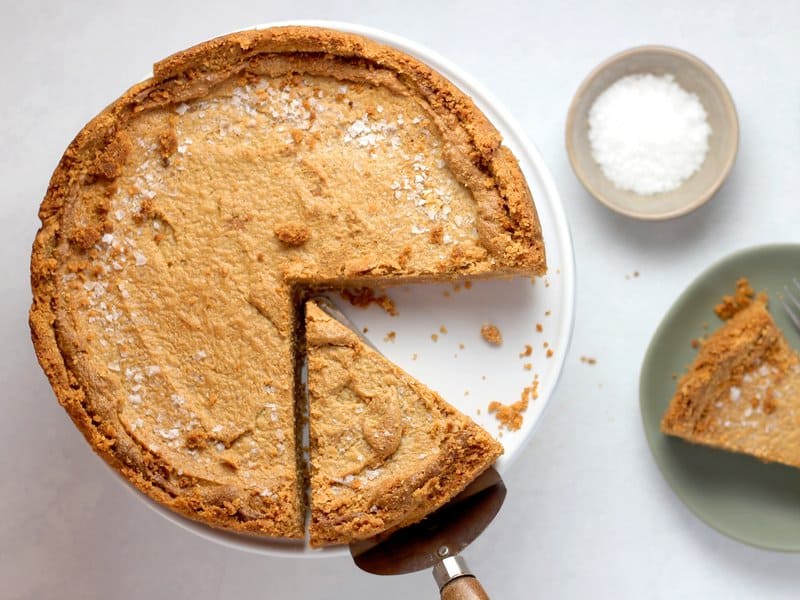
(185, 222)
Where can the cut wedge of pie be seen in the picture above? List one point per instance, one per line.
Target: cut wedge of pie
(742, 392)
(184, 222)
(385, 450)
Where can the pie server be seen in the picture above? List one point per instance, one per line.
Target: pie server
(437, 540)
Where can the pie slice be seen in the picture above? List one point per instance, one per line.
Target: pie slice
(385, 449)
(742, 392)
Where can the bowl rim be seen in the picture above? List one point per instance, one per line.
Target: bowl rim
(729, 108)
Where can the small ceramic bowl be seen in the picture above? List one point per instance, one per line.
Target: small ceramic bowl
(694, 76)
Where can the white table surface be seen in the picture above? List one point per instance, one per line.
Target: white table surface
(588, 514)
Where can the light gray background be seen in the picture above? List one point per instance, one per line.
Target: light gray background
(588, 514)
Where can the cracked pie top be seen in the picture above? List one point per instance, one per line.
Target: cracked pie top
(184, 223)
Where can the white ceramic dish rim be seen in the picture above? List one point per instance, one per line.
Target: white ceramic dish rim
(299, 549)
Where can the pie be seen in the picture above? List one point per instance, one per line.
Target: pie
(385, 450)
(186, 222)
(742, 392)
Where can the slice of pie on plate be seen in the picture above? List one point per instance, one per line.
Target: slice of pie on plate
(385, 450)
(742, 392)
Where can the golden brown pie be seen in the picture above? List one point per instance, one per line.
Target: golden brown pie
(742, 392)
(385, 449)
(184, 223)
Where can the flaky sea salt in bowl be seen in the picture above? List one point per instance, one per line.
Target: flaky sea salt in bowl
(652, 132)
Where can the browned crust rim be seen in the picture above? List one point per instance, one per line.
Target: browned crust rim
(413, 499)
(472, 455)
(189, 74)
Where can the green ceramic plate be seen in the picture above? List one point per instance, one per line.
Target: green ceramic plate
(748, 500)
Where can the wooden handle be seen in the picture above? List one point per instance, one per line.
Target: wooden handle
(464, 588)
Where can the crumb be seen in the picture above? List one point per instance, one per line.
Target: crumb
(546, 283)
(363, 297)
(196, 440)
(437, 234)
(478, 410)
(636, 273)
(442, 329)
(148, 210)
(549, 353)
(705, 325)
(466, 392)
(292, 234)
(404, 256)
(510, 416)
(365, 330)
(527, 351)
(539, 328)
(527, 366)
(456, 287)
(696, 343)
(483, 377)
(545, 345)
(492, 334)
(168, 142)
(467, 285)
(588, 360)
(547, 313)
(742, 298)
(446, 294)
(674, 376)
(434, 337)
(414, 356)
(390, 336)
(460, 346)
